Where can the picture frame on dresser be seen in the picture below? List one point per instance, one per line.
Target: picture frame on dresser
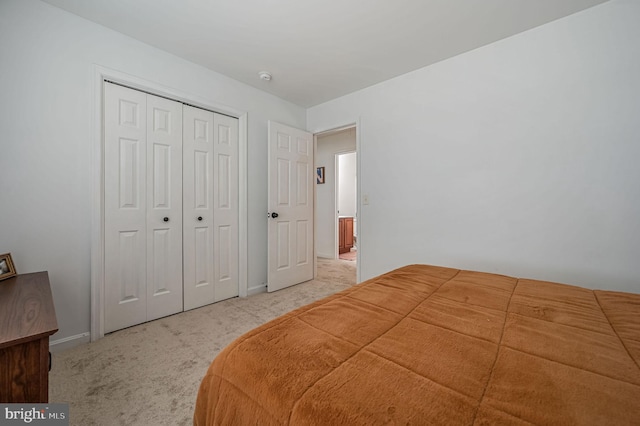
(7, 268)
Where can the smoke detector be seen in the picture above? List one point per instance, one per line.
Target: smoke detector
(264, 76)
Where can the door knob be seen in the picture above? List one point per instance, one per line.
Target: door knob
(166, 219)
(199, 217)
(274, 215)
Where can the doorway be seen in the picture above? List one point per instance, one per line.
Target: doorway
(346, 201)
(329, 146)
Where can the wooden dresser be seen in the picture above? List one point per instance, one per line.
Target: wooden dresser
(345, 233)
(27, 319)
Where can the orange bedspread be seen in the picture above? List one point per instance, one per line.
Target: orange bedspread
(431, 345)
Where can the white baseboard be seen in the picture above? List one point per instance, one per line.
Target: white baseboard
(256, 290)
(69, 342)
(326, 255)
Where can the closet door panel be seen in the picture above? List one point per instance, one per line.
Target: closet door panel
(125, 122)
(164, 207)
(198, 207)
(225, 214)
(171, 207)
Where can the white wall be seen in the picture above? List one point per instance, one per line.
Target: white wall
(47, 59)
(327, 146)
(347, 185)
(520, 157)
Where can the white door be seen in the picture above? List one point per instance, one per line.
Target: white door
(210, 207)
(125, 215)
(225, 207)
(164, 207)
(143, 175)
(198, 207)
(143, 252)
(290, 202)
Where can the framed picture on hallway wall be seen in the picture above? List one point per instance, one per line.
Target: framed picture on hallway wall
(320, 175)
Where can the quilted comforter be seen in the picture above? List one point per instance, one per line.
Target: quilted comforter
(432, 345)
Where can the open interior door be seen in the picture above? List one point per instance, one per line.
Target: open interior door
(291, 179)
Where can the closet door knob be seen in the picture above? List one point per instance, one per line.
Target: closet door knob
(199, 217)
(166, 219)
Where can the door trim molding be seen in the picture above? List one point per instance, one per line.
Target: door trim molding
(97, 182)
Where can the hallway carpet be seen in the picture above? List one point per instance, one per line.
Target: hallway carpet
(149, 374)
(350, 255)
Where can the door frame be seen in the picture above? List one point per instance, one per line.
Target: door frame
(323, 130)
(97, 185)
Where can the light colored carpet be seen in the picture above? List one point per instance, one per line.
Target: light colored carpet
(149, 374)
(350, 255)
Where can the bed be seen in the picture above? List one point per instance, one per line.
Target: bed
(432, 345)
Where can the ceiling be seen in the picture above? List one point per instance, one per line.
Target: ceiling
(318, 50)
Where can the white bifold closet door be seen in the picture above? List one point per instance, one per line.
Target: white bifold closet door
(210, 170)
(143, 207)
(171, 207)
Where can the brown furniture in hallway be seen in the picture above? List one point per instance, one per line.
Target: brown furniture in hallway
(345, 227)
(27, 319)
